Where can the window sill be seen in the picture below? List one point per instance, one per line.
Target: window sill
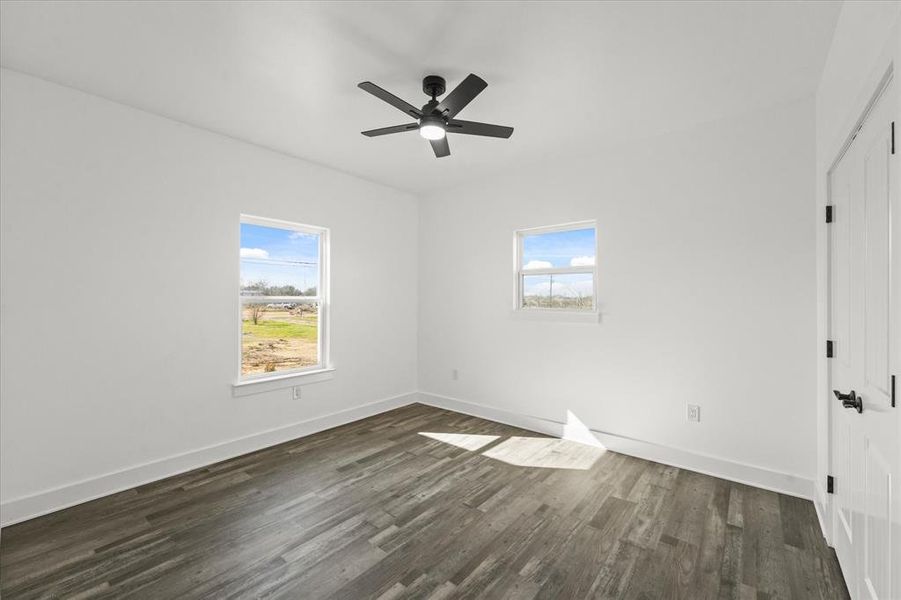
(277, 382)
(570, 316)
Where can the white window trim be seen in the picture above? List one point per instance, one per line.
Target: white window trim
(553, 314)
(261, 382)
(278, 382)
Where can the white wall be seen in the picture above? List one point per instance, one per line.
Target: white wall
(118, 285)
(867, 39)
(706, 284)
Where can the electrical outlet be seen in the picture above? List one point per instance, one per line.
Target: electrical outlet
(694, 413)
(455, 374)
(296, 391)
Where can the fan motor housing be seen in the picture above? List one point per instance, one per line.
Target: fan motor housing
(433, 85)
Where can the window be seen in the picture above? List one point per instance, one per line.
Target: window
(283, 298)
(555, 268)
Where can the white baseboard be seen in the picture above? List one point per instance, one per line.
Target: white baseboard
(35, 505)
(762, 477)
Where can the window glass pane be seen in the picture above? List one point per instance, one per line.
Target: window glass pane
(278, 262)
(279, 337)
(536, 291)
(573, 248)
(572, 291)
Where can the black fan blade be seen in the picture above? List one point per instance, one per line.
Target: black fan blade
(462, 95)
(440, 147)
(473, 128)
(391, 99)
(393, 129)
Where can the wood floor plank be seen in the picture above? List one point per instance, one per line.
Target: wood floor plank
(707, 575)
(413, 504)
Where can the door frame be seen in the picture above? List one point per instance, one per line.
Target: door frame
(881, 74)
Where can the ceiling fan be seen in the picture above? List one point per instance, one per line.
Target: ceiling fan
(435, 119)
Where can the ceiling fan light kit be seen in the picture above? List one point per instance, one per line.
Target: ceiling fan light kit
(436, 119)
(432, 128)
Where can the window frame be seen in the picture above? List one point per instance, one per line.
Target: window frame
(519, 273)
(321, 297)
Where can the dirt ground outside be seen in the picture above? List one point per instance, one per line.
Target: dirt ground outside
(283, 338)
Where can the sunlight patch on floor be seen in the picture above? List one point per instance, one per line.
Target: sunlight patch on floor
(467, 441)
(547, 453)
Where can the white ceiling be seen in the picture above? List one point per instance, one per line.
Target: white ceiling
(570, 77)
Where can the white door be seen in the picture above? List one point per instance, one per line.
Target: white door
(865, 313)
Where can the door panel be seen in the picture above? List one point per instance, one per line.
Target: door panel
(843, 472)
(876, 220)
(841, 266)
(877, 524)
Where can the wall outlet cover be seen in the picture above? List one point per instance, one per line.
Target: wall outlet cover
(694, 413)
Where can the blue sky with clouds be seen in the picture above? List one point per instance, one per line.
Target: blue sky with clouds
(279, 256)
(559, 249)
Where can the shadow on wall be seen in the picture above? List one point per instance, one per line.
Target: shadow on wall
(578, 449)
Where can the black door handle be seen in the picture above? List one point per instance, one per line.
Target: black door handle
(850, 400)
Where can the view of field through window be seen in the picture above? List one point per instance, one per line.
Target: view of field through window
(558, 291)
(557, 269)
(279, 299)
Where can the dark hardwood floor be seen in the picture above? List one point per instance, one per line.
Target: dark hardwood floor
(426, 503)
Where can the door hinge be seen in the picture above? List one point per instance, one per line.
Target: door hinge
(830, 349)
(830, 484)
(893, 137)
(893, 391)
(829, 213)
